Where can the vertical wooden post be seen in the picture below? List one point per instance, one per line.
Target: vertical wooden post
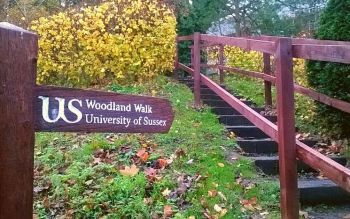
(197, 68)
(221, 63)
(268, 85)
(286, 130)
(176, 61)
(18, 53)
(192, 57)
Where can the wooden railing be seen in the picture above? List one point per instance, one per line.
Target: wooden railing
(290, 149)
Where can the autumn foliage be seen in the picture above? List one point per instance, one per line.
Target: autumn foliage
(123, 40)
(253, 61)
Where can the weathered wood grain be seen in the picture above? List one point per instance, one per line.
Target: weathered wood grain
(185, 38)
(330, 53)
(243, 43)
(300, 41)
(197, 68)
(267, 84)
(18, 53)
(160, 110)
(338, 104)
(286, 130)
(221, 62)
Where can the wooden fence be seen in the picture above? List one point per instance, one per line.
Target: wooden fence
(283, 50)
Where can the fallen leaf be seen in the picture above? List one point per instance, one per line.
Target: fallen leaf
(166, 192)
(239, 180)
(264, 213)
(217, 208)
(212, 193)
(190, 161)
(148, 201)
(96, 161)
(161, 163)
(180, 152)
(71, 182)
(232, 135)
(223, 212)
(191, 217)
(222, 196)
(168, 211)
(151, 174)
(129, 171)
(89, 182)
(46, 202)
(249, 204)
(221, 164)
(143, 155)
(303, 214)
(171, 159)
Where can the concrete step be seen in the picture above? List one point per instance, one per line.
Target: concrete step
(233, 120)
(247, 131)
(264, 146)
(270, 164)
(321, 191)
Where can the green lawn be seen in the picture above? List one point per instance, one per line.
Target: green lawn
(78, 175)
(253, 89)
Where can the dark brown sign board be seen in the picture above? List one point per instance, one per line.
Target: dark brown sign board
(26, 108)
(75, 110)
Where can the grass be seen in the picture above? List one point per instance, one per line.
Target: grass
(253, 89)
(250, 88)
(78, 175)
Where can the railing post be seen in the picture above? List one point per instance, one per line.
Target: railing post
(18, 53)
(196, 67)
(286, 129)
(176, 60)
(221, 63)
(192, 57)
(268, 85)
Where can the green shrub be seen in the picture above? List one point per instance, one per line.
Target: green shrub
(333, 79)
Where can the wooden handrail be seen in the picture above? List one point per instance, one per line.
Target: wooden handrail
(300, 41)
(331, 169)
(243, 43)
(284, 49)
(322, 98)
(185, 38)
(319, 50)
(338, 104)
(330, 53)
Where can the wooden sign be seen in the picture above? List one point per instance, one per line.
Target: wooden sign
(26, 108)
(75, 110)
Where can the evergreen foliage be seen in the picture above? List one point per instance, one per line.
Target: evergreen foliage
(196, 17)
(333, 79)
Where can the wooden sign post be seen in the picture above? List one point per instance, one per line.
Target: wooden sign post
(26, 108)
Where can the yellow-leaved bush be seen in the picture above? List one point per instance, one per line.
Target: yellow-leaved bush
(123, 40)
(253, 61)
